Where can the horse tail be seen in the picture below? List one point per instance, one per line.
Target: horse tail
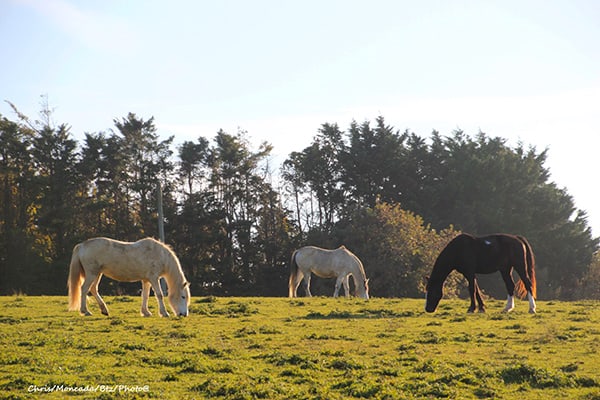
(520, 289)
(530, 266)
(293, 274)
(76, 276)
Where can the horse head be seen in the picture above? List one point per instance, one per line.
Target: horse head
(362, 291)
(179, 298)
(433, 294)
(367, 289)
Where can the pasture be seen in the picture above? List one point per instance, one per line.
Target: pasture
(303, 348)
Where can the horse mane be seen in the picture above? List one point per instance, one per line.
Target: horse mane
(361, 268)
(169, 258)
(163, 245)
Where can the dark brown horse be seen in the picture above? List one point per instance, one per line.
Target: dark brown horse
(472, 255)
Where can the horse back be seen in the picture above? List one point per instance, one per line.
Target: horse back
(484, 254)
(498, 251)
(324, 263)
(123, 261)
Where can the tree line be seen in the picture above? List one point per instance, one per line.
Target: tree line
(394, 198)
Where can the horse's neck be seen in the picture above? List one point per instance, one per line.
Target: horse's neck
(441, 270)
(360, 280)
(359, 270)
(173, 274)
(358, 274)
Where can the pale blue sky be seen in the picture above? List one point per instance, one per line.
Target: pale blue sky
(526, 70)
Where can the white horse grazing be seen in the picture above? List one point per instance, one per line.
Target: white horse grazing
(339, 263)
(146, 260)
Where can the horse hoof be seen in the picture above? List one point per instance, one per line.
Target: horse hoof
(105, 313)
(531, 311)
(469, 311)
(482, 310)
(87, 314)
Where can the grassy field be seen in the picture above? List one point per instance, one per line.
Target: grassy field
(317, 348)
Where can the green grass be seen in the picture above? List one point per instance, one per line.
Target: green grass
(318, 348)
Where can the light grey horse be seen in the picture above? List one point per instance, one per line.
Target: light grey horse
(146, 260)
(339, 263)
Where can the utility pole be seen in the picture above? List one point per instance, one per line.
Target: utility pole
(161, 230)
(161, 215)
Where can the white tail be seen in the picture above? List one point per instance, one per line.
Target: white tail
(293, 275)
(76, 276)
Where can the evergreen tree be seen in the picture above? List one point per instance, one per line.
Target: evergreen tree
(320, 168)
(18, 195)
(148, 164)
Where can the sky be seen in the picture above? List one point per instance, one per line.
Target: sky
(524, 70)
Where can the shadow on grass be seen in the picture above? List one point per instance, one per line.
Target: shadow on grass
(367, 313)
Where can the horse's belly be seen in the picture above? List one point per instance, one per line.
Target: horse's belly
(124, 274)
(325, 274)
(122, 278)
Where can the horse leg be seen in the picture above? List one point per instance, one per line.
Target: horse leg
(531, 302)
(479, 298)
(346, 285)
(510, 303)
(338, 283)
(145, 295)
(159, 297)
(307, 284)
(510, 288)
(85, 288)
(472, 288)
(296, 282)
(527, 282)
(99, 300)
